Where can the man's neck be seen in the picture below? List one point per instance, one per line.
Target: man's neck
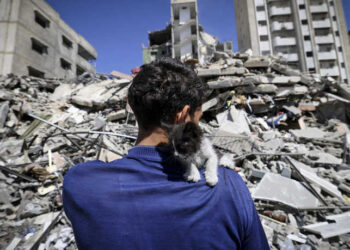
(156, 137)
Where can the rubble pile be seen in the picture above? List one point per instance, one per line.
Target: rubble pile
(287, 131)
(46, 127)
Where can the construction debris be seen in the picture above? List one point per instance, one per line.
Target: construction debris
(279, 125)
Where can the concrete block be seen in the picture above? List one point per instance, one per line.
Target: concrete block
(4, 109)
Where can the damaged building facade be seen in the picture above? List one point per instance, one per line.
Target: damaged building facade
(184, 38)
(310, 34)
(35, 41)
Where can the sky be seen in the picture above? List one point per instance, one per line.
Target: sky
(118, 28)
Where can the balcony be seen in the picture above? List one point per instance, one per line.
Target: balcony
(280, 11)
(178, 25)
(329, 71)
(321, 8)
(327, 55)
(277, 26)
(319, 24)
(260, 15)
(293, 57)
(259, 3)
(284, 41)
(324, 39)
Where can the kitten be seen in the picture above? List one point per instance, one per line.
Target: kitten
(196, 151)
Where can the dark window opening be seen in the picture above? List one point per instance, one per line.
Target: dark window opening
(65, 65)
(67, 43)
(343, 65)
(309, 54)
(340, 49)
(39, 46)
(80, 70)
(153, 53)
(85, 54)
(345, 80)
(331, 3)
(302, 6)
(307, 38)
(35, 72)
(264, 38)
(41, 20)
(265, 52)
(304, 22)
(260, 8)
(337, 33)
(334, 18)
(312, 70)
(262, 22)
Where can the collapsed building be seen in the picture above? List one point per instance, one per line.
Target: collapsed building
(288, 132)
(184, 38)
(35, 41)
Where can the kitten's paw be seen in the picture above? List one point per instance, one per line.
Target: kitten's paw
(211, 179)
(227, 162)
(193, 177)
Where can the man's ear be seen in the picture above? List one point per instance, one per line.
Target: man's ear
(183, 115)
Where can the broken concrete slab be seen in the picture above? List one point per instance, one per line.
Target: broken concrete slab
(312, 177)
(4, 109)
(118, 115)
(265, 88)
(274, 187)
(257, 62)
(329, 229)
(225, 83)
(309, 133)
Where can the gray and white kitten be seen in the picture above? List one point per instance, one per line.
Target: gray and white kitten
(195, 151)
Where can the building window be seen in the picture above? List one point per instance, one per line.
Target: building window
(312, 70)
(66, 42)
(334, 18)
(304, 22)
(264, 38)
(331, 3)
(309, 54)
(266, 52)
(307, 38)
(84, 53)
(80, 70)
(65, 65)
(35, 72)
(343, 65)
(345, 80)
(39, 46)
(262, 23)
(302, 6)
(260, 8)
(337, 33)
(41, 20)
(340, 49)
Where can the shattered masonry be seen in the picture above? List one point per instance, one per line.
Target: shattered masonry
(283, 128)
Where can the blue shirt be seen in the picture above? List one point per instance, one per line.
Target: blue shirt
(142, 202)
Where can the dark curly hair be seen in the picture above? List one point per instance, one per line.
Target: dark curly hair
(161, 89)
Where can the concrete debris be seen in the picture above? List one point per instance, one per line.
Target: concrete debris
(288, 132)
(274, 187)
(46, 127)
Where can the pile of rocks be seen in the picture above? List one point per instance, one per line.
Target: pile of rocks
(46, 127)
(287, 131)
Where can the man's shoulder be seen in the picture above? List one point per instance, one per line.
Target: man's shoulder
(235, 187)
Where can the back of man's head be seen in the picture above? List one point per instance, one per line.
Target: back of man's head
(161, 89)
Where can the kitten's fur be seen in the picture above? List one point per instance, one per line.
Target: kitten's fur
(195, 151)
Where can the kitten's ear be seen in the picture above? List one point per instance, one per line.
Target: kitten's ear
(193, 130)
